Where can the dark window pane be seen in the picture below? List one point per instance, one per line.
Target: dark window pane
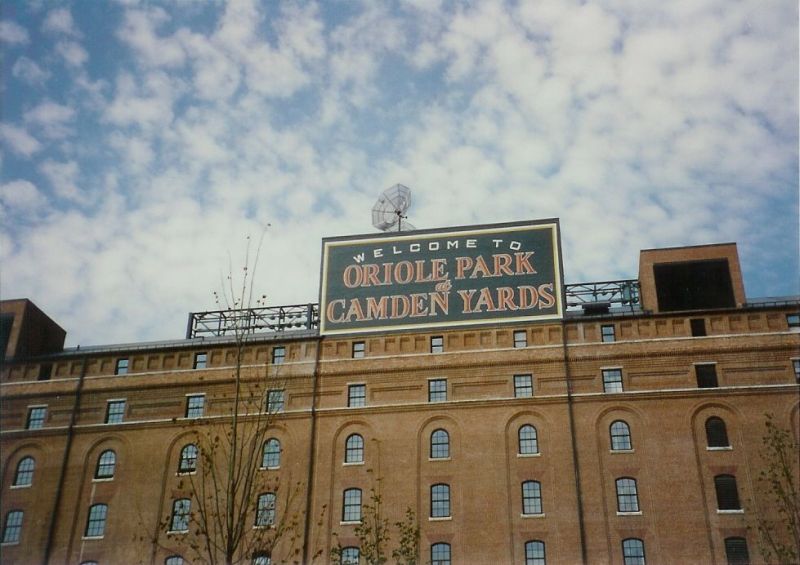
(727, 495)
(706, 376)
(716, 433)
(736, 551)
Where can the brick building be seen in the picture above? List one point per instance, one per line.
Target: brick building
(627, 430)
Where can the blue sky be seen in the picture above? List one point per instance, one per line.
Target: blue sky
(141, 142)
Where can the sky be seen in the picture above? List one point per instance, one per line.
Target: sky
(141, 143)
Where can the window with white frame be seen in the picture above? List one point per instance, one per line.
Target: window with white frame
(520, 339)
(523, 386)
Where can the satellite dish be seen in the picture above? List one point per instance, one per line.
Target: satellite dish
(389, 211)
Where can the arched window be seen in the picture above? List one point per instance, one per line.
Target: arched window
(188, 462)
(620, 436)
(24, 474)
(716, 433)
(440, 501)
(736, 552)
(96, 523)
(531, 497)
(440, 554)
(354, 449)
(106, 464)
(351, 507)
(89, 563)
(181, 509)
(173, 560)
(528, 442)
(534, 553)
(271, 459)
(440, 444)
(13, 526)
(627, 495)
(350, 556)
(633, 551)
(265, 515)
(727, 494)
(262, 558)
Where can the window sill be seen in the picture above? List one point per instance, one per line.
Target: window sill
(177, 532)
(731, 511)
(14, 487)
(91, 537)
(352, 463)
(102, 479)
(267, 468)
(349, 522)
(440, 518)
(264, 527)
(532, 515)
(621, 451)
(438, 459)
(637, 513)
(185, 473)
(9, 543)
(720, 448)
(524, 455)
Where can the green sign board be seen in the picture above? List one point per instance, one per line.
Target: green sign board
(452, 277)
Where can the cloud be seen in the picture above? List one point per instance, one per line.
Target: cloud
(13, 33)
(63, 178)
(21, 196)
(51, 118)
(139, 30)
(60, 21)
(72, 53)
(19, 140)
(28, 71)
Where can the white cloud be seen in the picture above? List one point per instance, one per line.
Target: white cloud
(60, 21)
(52, 118)
(63, 178)
(21, 196)
(19, 140)
(72, 53)
(139, 30)
(13, 33)
(28, 71)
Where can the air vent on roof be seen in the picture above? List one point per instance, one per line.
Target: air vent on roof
(590, 308)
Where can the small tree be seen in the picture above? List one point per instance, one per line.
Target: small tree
(238, 512)
(778, 484)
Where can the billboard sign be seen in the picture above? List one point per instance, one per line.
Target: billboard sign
(450, 277)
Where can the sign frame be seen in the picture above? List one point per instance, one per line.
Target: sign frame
(390, 238)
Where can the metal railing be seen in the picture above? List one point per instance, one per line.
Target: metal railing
(622, 292)
(251, 320)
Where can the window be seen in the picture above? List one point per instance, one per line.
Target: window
(359, 349)
(520, 339)
(620, 436)
(528, 441)
(188, 462)
(173, 560)
(796, 365)
(200, 362)
(612, 380)
(706, 375)
(727, 495)
(356, 395)
(633, 551)
(265, 516)
(13, 526)
(278, 355)
(354, 449)
(437, 390)
(437, 344)
(194, 405)
(534, 553)
(440, 501)
(698, 326)
(440, 554)
(274, 401)
(271, 457)
(351, 510)
(45, 371)
(36, 417)
(523, 386)
(607, 333)
(262, 558)
(736, 551)
(122, 367)
(96, 523)
(94, 563)
(440, 444)
(180, 515)
(716, 433)
(627, 497)
(531, 497)
(24, 475)
(350, 556)
(793, 321)
(115, 411)
(106, 465)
